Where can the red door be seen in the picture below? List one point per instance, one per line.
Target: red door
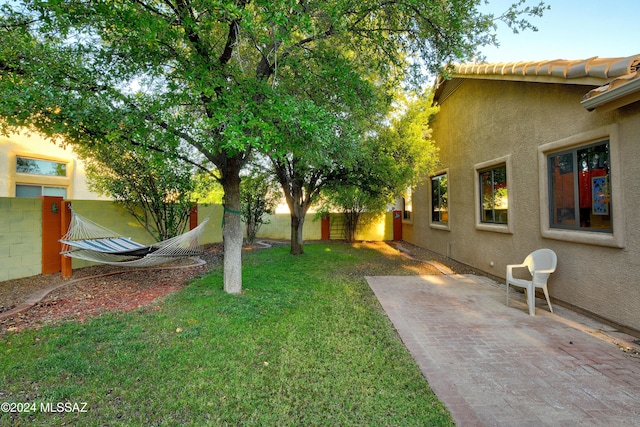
(397, 225)
(51, 233)
(325, 229)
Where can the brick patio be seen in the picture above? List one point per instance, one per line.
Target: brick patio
(494, 365)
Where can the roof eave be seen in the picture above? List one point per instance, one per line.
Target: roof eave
(456, 79)
(614, 98)
(584, 81)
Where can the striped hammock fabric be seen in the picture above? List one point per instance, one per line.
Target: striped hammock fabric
(110, 245)
(90, 241)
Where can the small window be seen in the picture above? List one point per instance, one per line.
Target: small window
(579, 188)
(24, 190)
(407, 206)
(494, 200)
(40, 167)
(439, 199)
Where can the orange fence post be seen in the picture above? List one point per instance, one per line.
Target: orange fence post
(65, 221)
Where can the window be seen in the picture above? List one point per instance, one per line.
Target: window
(40, 167)
(579, 188)
(407, 206)
(24, 190)
(439, 199)
(35, 177)
(492, 195)
(494, 201)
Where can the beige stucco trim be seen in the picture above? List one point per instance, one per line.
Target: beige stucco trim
(615, 239)
(496, 228)
(438, 225)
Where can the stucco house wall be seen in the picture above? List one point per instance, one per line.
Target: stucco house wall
(517, 122)
(32, 145)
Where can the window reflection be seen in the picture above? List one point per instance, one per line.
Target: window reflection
(40, 167)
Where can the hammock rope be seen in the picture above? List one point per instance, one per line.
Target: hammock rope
(90, 241)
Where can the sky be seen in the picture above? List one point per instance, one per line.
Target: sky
(572, 29)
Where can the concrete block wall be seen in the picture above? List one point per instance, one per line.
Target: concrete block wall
(213, 229)
(115, 217)
(20, 238)
(376, 227)
(372, 227)
(21, 230)
(279, 228)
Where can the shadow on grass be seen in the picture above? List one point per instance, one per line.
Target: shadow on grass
(306, 343)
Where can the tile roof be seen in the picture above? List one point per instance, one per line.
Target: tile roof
(617, 80)
(601, 68)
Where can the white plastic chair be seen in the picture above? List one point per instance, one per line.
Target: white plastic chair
(541, 263)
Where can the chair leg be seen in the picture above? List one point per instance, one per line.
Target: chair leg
(507, 294)
(546, 295)
(531, 301)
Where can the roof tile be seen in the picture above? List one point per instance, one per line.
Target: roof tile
(616, 79)
(603, 68)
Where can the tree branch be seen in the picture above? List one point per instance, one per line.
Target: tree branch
(152, 9)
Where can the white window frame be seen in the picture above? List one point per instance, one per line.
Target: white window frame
(439, 225)
(42, 188)
(616, 237)
(485, 226)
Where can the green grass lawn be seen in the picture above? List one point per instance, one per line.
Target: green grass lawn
(305, 344)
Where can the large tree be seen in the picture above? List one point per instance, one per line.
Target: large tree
(400, 151)
(394, 154)
(200, 80)
(318, 152)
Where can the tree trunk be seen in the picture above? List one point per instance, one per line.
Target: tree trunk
(351, 219)
(297, 222)
(297, 201)
(232, 231)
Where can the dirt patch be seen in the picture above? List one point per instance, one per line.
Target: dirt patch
(101, 289)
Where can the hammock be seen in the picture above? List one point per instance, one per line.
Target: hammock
(92, 242)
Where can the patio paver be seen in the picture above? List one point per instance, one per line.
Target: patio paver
(494, 365)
